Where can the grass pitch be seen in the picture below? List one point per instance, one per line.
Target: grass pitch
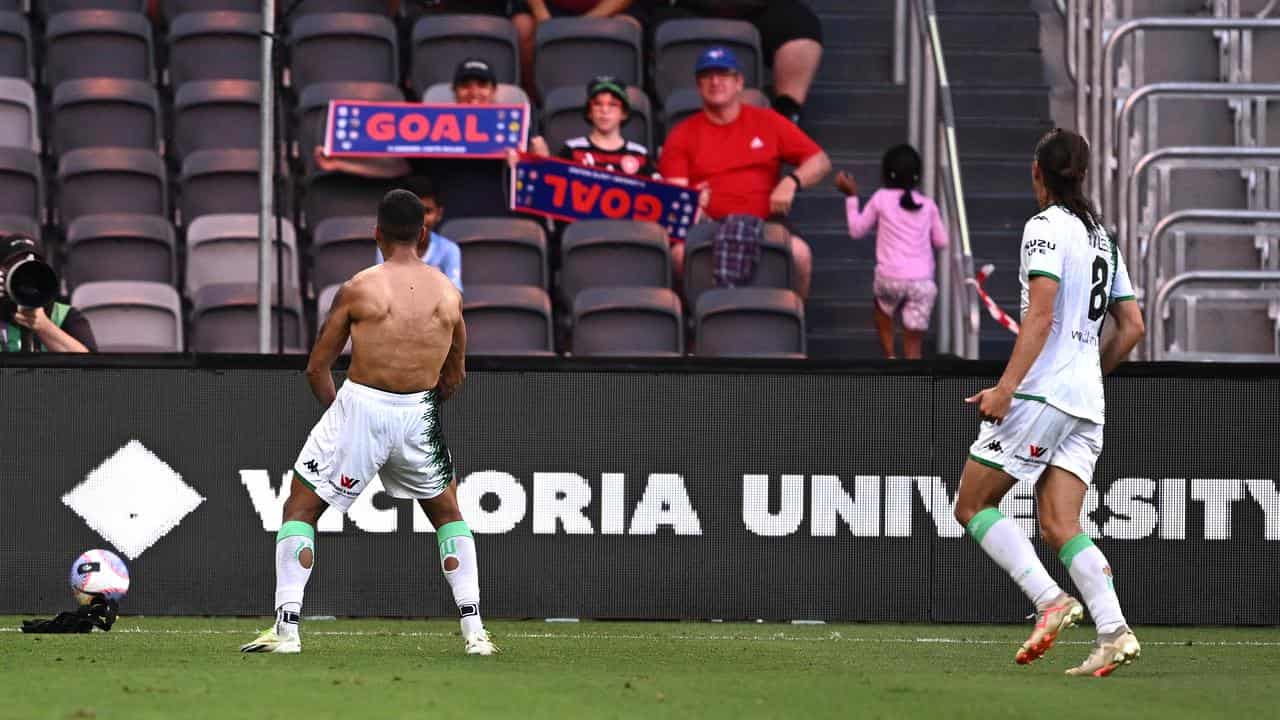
(189, 668)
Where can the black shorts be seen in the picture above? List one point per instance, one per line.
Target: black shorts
(779, 23)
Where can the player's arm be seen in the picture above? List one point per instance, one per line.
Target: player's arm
(329, 343)
(1128, 329)
(454, 370)
(1037, 322)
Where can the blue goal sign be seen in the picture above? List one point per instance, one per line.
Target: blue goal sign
(567, 191)
(356, 128)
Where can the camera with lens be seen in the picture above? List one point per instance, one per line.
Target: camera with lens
(26, 280)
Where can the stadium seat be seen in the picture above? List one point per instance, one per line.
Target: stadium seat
(562, 117)
(1217, 323)
(16, 53)
(313, 111)
(98, 43)
(507, 320)
(170, 9)
(214, 46)
(224, 249)
(93, 181)
(19, 116)
(500, 251)
(21, 225)
(128, 316)
(315, 7)
(120, 247)
(613, 253)
(21, 183)
(224, 319)
(773, 270)
(506, 94)
(627, 321)
(324, 301)
(440, 42)
(216, 115)
(678, 43)
(340, 248)
(105, 112)
(571, 51)
(683, 102)
(217, 182)
(53, 7)
(750, 322)
(343, 47)
(330, 195)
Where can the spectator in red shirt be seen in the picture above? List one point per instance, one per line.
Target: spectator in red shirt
(737, 151)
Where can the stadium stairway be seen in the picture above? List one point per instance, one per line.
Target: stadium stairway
(856, 112)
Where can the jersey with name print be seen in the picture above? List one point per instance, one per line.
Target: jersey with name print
(1091, 275)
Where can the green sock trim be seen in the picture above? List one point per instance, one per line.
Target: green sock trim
(1074, 547)
(296, 528)
(447, 532)
(982, 522)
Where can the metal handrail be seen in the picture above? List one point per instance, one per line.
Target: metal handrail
(1160, 311)
(1069, 39)
(1270, 8)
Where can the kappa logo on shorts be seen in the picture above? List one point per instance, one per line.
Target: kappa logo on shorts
(995, 446)
(346, 482)
(312, 466)
(1036, 451)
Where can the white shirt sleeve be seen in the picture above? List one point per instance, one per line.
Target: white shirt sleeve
(1121, 286)
(1040, 249)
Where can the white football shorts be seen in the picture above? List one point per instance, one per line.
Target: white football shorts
(1035, 435)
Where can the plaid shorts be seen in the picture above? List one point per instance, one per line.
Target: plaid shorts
(915, 297)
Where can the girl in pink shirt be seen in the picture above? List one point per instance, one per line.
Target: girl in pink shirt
(908, 228)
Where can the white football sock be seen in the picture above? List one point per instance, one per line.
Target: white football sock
(458, 561)
(1092, 575)
(291, 575)
(1002, 540)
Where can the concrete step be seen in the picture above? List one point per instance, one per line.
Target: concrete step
(842, 279)
(971, 67)
(841, 103)
(1000, 138)
(1006, 102)
(856, 65)
(992, 31)
(857, 29)
(858, 134)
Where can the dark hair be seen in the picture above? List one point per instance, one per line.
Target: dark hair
(1063, 157)
(400, 217)
(422, 186)
(900, 169)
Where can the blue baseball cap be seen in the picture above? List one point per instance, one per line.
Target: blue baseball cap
(717, 57)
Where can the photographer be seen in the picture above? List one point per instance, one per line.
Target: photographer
(30, 319)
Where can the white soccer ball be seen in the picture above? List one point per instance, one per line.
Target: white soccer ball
(99, 572)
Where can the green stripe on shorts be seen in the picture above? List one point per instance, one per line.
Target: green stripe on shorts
(984, 461)
(302, 478)
(1037, 398)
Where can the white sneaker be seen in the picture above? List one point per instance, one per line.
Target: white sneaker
(271, 641)
(478, 643)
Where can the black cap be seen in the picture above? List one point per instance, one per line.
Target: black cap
(474, 69)
(609, 84)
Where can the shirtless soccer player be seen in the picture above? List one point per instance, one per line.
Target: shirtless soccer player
(1043, 421)
(404, 319)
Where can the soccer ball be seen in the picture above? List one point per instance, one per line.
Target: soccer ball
(99, 572)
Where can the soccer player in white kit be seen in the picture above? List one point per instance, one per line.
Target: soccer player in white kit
(1043, 421)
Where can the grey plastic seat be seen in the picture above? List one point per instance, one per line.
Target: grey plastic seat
(571, 51)
(120, 247)
(170, 9)
(21, 183)
(507, 320)
(324, 302)
(440, 42)
(106, 112)
(98, 43)
(315, 7)
(19, 115)
(53, 7)
(224, 249)
(562, 117)
(506, 94)
(613, 253)
(21, 225)
(678, 43)
(313, 111)
(774, 269)
(343, 47)
(93, 181)
(627, 321)
(217, 182)
(214, 46)
(216, 115)
(749, 322)
(340, 248)
(129, 316)
(16, 52)
(333, 194)
(500, 251)
(224, 319)
(683, 102)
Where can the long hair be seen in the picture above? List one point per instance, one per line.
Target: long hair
(1063, 157)
(900, 169)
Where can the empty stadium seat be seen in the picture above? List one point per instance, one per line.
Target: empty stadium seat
(53, 7)
(500, 251)
(214, 46)
(506, 94)
(105, 112)
(340, 248)
(224, 249)
(21, 225)
(678, 43)
(313, 7)
(440, 42)
(627, 321)
(16, 53)
(132, 316)
(773, 270)
(313, 111)
(324, 302)
(98, 43)
(330, 195)
(216, 115)
(683, 102)
(507, 320)
(93, 181)
(224, 319)
(170, 9)
(19, 116)
(343, 47)
(613, 253)
(216, 182)
(120, 247)
(750, 322)
(571, 51)
(562, 117)
(21, 183)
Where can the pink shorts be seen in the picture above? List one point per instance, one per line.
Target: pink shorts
(915, 297)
